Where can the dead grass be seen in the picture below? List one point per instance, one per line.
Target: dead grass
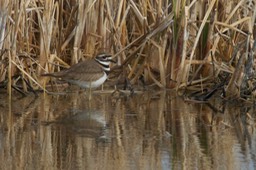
(172, 44)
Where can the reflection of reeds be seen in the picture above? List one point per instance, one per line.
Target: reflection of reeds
(170, 44)
(147, 129)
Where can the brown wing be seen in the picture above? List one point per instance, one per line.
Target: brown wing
(84, 71)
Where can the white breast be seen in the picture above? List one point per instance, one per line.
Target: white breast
(93, 84)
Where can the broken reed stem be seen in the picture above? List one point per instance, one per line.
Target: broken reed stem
(183, 73)
(209, 10)
(82, 12)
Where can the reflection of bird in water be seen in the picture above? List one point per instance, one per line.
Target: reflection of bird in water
(90, 123)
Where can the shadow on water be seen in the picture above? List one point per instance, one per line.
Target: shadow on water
(152, 130)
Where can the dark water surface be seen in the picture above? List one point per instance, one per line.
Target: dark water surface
(151, 130)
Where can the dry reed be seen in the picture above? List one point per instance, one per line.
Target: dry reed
(172, 44)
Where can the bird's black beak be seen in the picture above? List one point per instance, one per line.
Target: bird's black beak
(112, 61)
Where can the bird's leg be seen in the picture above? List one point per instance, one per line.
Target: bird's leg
(90, 92)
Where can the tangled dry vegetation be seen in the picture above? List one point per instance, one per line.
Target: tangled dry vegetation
(171, 44)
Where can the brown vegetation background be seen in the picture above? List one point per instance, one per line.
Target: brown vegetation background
(171, 44)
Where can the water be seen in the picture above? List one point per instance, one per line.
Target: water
(151, 130)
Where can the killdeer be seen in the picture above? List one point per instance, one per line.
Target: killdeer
(87, 74)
